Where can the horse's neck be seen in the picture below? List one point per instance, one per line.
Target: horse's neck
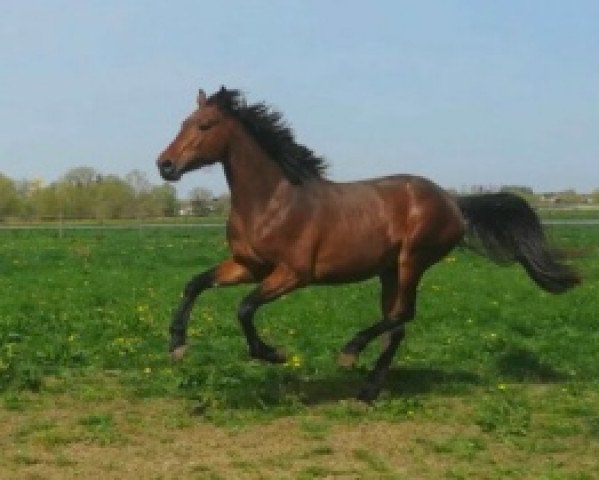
(253, 178)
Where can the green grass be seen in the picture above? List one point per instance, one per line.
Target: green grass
(586, 212)
(85, 317)
(101, 303)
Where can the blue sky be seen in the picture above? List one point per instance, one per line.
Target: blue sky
(463, 92)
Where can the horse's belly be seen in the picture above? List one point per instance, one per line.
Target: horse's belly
(353, 260)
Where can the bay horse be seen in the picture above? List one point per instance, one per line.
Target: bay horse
(289, 227)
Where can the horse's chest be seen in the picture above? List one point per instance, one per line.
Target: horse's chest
(243, 247)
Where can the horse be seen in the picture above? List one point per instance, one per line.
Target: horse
(290, 227)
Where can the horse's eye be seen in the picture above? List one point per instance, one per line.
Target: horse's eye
(205, 126)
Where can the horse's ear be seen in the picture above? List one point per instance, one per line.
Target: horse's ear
(201, 98)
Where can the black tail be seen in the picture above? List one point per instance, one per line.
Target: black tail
(509, 230)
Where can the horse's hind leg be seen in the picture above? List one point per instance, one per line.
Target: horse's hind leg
(228, 272)
(353, 348)
(399, 309)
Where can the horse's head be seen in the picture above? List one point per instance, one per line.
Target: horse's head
(202, 140)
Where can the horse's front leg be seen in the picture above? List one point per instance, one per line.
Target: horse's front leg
(228, 272)
(280, 281)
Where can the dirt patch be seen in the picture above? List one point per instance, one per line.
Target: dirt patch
(153, 439)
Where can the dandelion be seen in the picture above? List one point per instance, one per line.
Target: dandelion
(295, 361)
(501, 386)
(147, 370)
(194, 331)
(450, 259)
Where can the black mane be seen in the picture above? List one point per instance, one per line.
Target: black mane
(267, 126)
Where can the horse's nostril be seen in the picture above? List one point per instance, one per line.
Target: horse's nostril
(167, 167)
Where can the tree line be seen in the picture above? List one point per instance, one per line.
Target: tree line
(84, 193)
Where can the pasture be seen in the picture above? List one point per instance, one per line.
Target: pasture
(495, 379)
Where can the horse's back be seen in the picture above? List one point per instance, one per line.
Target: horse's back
(372, 221)
(426, 216)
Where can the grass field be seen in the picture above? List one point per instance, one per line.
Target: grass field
(496, 379)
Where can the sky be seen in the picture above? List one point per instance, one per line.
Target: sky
(462, 92)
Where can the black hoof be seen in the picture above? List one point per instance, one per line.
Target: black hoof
(270, 355)
(369, 394)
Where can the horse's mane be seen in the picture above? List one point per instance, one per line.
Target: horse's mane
(270, 130)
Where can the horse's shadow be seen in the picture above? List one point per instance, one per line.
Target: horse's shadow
(517, 365)
(520, 364)
(401, 382)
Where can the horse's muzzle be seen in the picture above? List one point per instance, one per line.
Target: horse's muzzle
(169, 171)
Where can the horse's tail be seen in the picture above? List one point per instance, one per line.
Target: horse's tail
(507, 229)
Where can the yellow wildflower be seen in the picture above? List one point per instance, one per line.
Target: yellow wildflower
(295, 361)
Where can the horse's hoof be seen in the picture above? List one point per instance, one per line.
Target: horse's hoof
(178, 353)
(347, 360)
(270, 355)
(369, 394)
(276, 355)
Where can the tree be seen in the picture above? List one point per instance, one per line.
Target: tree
(569, 196)
(114, 198)
(138, 180)
(520, 189)
(166, 199)
(9, 197)
(523, 191)
(222, 204)
(80, 176)
(201, 201)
